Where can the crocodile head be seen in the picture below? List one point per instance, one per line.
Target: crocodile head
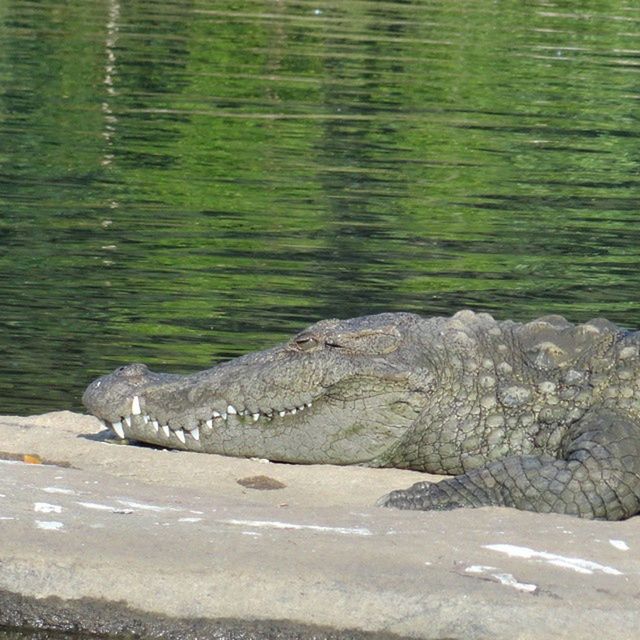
(340, 392)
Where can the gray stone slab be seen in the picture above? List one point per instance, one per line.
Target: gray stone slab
(113, 537)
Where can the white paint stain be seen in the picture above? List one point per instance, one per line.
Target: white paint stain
(144, 507)
(95, 506)
(506, 579)
(575, 564)
(7, 518)
(49, 525)
(354, 531)
(2, 495)
(45, 507)
(619, 544)
(479, 568)
(189, 519)
(69, 492)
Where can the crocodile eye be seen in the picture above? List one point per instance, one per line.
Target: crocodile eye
(306, 342)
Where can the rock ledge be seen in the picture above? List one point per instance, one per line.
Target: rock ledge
(119, 539)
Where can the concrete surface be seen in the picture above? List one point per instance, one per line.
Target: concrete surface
(118, 538)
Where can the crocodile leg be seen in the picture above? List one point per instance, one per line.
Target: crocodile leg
(598, 476)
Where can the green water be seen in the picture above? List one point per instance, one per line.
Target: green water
(185, 181)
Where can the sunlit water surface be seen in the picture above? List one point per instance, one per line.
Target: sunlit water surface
(183, 182)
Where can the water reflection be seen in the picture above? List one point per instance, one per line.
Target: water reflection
(184, 182)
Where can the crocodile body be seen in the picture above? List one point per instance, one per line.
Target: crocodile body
(542, 416)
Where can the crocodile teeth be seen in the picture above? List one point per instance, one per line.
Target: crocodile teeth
(246, 413)
(117, 427)
(231, 410)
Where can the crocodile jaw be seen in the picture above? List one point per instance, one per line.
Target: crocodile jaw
(341, 392)
(307, 432)
(139, 425)
(329, 424)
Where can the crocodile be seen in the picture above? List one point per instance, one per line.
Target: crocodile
(542, 416)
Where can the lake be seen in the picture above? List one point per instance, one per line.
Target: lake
(185, 181)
